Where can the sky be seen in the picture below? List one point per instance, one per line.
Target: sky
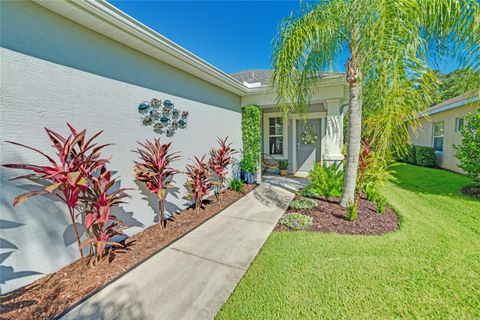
(231, 35)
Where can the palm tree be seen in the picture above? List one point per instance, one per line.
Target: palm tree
(391, 44)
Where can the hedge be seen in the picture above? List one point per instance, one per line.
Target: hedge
(420, 156)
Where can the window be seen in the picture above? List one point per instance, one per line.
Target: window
(438, 136)
(459, 124)
(275, 136)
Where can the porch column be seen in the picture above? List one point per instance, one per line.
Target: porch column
(333, 132)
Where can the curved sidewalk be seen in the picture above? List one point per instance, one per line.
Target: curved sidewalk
(193, 277)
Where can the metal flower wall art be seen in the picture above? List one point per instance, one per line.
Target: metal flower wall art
(163, 117)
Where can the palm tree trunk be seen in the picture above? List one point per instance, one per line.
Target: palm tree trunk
(354, 132)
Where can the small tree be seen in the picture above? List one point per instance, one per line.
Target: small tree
(68, 176)
(100, 223)
(198, 181)
(155, 170)
(468, 151)
(219, 160)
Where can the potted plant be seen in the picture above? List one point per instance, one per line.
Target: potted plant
(283, 167)
(248, 171)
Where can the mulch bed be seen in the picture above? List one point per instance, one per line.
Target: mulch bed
(329, 216)
(53, 294)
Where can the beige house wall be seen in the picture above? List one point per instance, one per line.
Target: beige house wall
(424, 136)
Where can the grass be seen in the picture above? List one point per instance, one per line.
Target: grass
(430, 268)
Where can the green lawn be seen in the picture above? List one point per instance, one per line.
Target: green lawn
(430, 268)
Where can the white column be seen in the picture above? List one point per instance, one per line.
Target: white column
(333, 132)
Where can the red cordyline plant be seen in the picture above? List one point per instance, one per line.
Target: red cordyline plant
(155, 170)
(364, 162)
(198, 181)
(101, 225)
(219, 160)
(77, 159)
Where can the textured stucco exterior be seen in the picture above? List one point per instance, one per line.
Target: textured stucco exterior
(424, 136)
(54, 71)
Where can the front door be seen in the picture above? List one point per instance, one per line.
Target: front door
(307, 144)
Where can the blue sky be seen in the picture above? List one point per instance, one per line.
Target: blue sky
(231, 35)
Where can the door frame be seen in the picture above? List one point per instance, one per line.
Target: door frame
(309, 115)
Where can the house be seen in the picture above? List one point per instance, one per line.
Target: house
(440, 128)
(90, 64)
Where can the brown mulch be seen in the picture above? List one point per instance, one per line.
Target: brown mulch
(53, 294)
(329, 216)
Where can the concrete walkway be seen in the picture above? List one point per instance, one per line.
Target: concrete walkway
(193, 277)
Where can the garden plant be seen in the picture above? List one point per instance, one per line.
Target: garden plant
(101, 225)
(251, 117)
(296, 221)
(198, 182)
(303, 204)
(68, 176)
(236, 184)
(219, 161)
(155, 171)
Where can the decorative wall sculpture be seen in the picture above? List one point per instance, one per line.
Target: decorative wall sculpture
(163, 117)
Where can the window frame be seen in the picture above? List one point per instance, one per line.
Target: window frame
(457, 121)
(438, 136)
(267, 135)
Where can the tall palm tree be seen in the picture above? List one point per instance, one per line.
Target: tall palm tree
(391, 43)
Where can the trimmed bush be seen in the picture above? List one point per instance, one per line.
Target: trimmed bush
(411, 156)
(425, 157)
(303, 204)
(296, 221)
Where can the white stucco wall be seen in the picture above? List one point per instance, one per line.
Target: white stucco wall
(54, 71)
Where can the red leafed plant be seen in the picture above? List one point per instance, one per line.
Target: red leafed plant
(219, 160)
(101, 225)
(364, 162)
(77, 159)
(155, 170)
(198, 181)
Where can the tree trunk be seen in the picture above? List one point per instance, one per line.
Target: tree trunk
(354, 132)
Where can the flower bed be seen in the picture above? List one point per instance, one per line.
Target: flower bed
(59, 291)
(329, 216)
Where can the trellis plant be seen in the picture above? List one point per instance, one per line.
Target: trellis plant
(198, 181)
(155, 171)
(100, 223)
(68, 175)
(219, 160)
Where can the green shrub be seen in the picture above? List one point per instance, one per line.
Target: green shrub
(326, 180)
(425, 156)
(307, 192)
(468, 152)
(251, 117)
(380, 202)
(303, 204)
(296, 221)
(410, 155)
(352, 211)
(236, 185)
(283, 164)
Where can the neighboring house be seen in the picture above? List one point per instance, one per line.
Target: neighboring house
(440, 128)
(88, 63)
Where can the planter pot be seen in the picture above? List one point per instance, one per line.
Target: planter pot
(248, 177)
(283, 173)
